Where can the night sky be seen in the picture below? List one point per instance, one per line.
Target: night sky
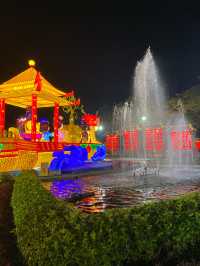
(95, 52)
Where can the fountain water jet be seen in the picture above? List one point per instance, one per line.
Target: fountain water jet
(140, 122)
(145, 110)
(148, 93)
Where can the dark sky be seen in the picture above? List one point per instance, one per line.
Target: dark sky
(94, 49)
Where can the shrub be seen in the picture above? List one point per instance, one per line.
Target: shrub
(51, 232)
(9, 255)
(4, 177)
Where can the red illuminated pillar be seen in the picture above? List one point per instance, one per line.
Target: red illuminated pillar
(34, 117)
(56, 115)
(2, 116)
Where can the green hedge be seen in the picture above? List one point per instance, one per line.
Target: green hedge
(51, 232)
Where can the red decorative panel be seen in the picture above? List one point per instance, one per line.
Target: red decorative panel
(112, 143)
(149, 139)
(158, 139)
(131, 140)
(181, 140)
(154, 139)
(187, 139)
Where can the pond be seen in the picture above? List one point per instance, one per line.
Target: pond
(97, 193)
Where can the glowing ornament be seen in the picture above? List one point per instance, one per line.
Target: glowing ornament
(31, 63)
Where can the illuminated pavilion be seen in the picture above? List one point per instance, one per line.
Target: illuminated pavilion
(30, 88)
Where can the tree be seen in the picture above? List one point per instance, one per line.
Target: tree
(191, 103)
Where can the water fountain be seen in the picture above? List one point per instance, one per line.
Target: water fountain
(134, 120)
(144, 125)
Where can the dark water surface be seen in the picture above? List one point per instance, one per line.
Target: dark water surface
(101, 192)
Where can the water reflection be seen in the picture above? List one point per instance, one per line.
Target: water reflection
(98, 193)
(65, 189)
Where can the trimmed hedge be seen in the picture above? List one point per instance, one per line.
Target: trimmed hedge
(9, 254)
(51, 232)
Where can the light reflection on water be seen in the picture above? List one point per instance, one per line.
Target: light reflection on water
(121, 190)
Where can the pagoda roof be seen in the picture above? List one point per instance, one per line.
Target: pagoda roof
(18, 90)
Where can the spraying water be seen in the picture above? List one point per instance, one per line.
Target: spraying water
(180, 150)
(145, 110)
(145, 117)
(148, 93)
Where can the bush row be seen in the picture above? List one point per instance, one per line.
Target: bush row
(9, 254)
(51, 232)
